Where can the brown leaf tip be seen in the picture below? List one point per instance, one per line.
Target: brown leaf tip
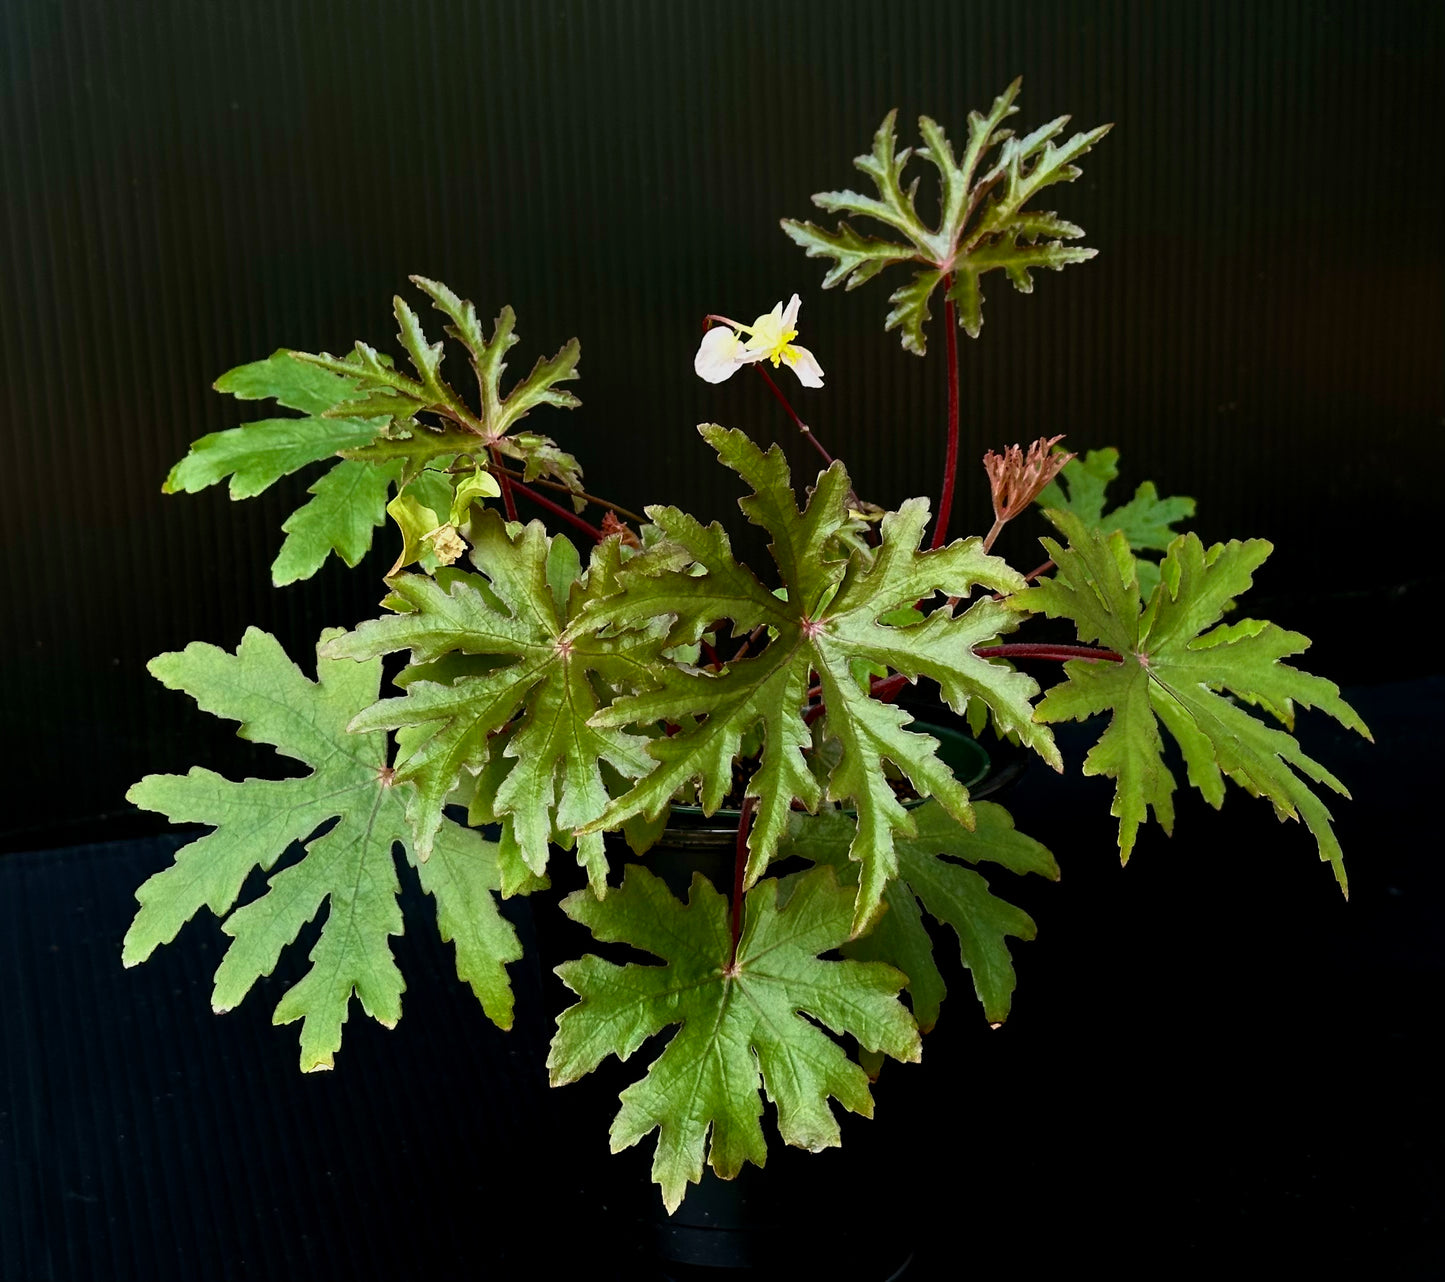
(1015, 478)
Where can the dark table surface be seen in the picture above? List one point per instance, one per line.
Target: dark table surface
(1214, 1062)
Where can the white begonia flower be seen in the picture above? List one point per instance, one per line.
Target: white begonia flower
(770, 338)
(719, 354)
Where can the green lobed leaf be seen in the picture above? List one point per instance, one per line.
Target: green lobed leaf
(837, 624)
(459, 427)
(288, 381)
(743, 1026)
(982, 225)
(258, 454)
(348, 503)
(349, 868)
(1181, 667)
(928, 878)
(515, 612)
(1145, 520)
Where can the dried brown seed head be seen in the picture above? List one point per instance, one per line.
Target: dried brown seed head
(1016, 478)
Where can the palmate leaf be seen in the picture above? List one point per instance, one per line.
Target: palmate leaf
(831, 620)
(743, 1024)
(385, 426)
(952, 894)
(1145, 520)
(259, 454)
(1179, 667)
(520, 612)
(350, 867)
(458, 427)
(348, 502)
(982, 224)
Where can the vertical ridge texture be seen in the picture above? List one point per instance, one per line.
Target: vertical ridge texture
(186, 186)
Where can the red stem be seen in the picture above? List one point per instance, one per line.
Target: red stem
(542, 501)
(740, 865)
(506, 482)
(950, 462)
(606, 504)
(1029, 650)
(793, 414)
(887, 689)
(748, 641)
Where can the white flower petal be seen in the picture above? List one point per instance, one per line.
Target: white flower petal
(790, 317)
(718, 355)
(769, 322)
(805, 365)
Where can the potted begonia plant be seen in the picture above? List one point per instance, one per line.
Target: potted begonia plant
(565, 694)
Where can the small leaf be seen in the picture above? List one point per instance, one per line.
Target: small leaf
(479, 484)
(349, 503)
(415, 522)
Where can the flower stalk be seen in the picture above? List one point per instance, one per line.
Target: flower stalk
(950, 451)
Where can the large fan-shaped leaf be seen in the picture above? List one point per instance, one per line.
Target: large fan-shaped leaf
(1180, 666)
(829, 619)
(742, 1018)
(349, 867)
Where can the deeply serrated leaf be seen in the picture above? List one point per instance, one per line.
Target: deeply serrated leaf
(500, 412)
(459, 428)
(512, 612)
(828, 619)
(742, 1021)
(952, 894)
(982, 222)
(348, 503)
(350, 868)
(1176, 670)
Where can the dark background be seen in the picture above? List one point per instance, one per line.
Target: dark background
(189, 186)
